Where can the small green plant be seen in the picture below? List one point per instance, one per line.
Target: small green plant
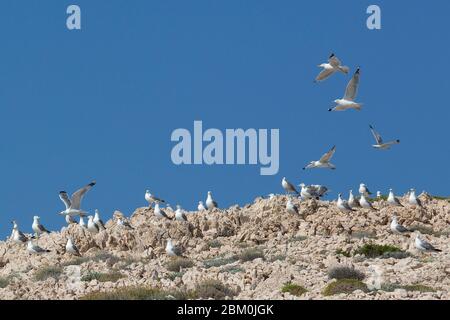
(172, 276)
(102, 277)
(297, 238)
(178, 263)
(279, 257)
(137, 293)
(389, 287)
(344, 253)
(213, 289)
(232, 269)
(293, 289)
(4, 282)
(371, 250)
(344, 286)
(214, 243)
(363, 234)
(440, 198)
(396, 255)
(343, 272)
(48, 272)
(250, 254)
(76, 261)
(219, 261)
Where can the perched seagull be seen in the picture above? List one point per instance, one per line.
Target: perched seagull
(333, 65)
(422, 245)
(413, 200)
(159, 213)
(364, 190)
(210, 203)
(312, 191)
(173, 251)
(168, 207)
(365, 204)
(343, 205)
(288, 187)
(124, 223)
(34, 248)
(352, 201)
(378, 194)
(380, 144)
(69, 220)
(82, 223)
(73, 203)
(398, 228)
(350, 94)
(179, 214)
(92, 226)
(72, 248)
(323, 162)
(151, 198)
(201, 206)
(271, 196)
(291, 208)
(37, 227)
(392, 200)
(98, 221)
(17, 235)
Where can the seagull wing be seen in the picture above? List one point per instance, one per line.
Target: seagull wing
(327, 156)
(334, 61)
(402, 229)
(78, 195)
(376, 135)
(65, 198)
(324, 74)
(352, 87)
(42, 228)
(427, 246)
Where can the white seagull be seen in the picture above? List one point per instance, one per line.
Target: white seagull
(124, 223)
(82, 223)
(413, 200)
(73, 203)
(392, 200)
(422, 245)
(333, 65)
(69, 220)
(398, 228)
(72, 248)
(324, 161)
(152, 198)
(352, 201)
(364, 190)
(288, 187)
(34, 248)
(379, 141)
(98, 221)
(210, 203)
(343, 205)
(350, 94)
(37, 227)
(365, 204)
(159, 213)
(291, 208)
(312, 191)
(173, 251)
(179, 214)
(18, 236)
(201, 206)
(92, 226)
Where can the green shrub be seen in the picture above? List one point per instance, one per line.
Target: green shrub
(250, 254)
(396, 255)
(297, 238)
(371, 250)
(293, 289)
(344, 253)
(137, 293)
(172, 276)
(232, 269)
(343, 272)
(48, 272)
(363, 234)
(279, 257)
(389, 287)
(344, 286)
(102, 277)
(213, 289)
(219, 261)
(214, 243)
(178, 263)
(76, 261)
(4, 282)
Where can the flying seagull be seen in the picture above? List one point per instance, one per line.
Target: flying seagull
(379, 141)
(210, 203)
(422, 245)
(413, 200)
(179, 214)
(73, 203)
(324, 161)
(343, 205)
(34, 248)
(364, 190)
(152, 198)
(392, 200)
(291, 208)
(37, 227)
(72, 248)
(333, 65)
(173, 251)
(350, 94)
(398, 228)
(288, 187)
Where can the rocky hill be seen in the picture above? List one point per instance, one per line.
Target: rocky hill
(255, 252)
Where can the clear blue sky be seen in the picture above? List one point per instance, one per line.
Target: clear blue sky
(101, 103)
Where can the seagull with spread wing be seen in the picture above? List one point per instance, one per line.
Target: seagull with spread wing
(348, 102)
(324, 161)
(379, 141)
(333, 65)
(73, 203)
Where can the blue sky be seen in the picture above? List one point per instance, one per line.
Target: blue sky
(101, 103)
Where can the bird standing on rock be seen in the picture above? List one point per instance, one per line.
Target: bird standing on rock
(210, 203)
(288, 187)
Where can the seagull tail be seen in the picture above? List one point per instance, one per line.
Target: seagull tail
(437, 250)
